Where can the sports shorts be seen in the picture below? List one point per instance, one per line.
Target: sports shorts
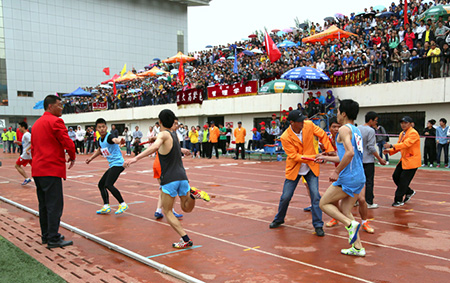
(23, 162)
(180, 188)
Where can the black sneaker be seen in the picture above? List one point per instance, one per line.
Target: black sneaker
(398, 203)
(320, 232)
(408, 197)
(275, 224)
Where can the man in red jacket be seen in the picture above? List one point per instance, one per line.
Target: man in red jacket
(48, 142)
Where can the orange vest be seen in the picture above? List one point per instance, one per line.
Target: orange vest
(409, 147)
(214, 134)
(295, 149)
(240, 134)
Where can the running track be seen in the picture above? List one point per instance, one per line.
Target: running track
(232, 239)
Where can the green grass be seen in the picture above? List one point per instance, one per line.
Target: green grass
(17, 266)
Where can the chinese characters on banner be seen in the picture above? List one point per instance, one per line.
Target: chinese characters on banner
(190, 96)
(234, 90)
(352, 78)
(97, 106)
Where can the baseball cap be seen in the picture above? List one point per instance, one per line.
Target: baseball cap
(273, 122)
(240, 122)
(254, 129)
(4, 130)
(262, 123)
(205, 126)
(211, 122)
(407, 119)
(296, 116)
(263, 128)
(274, 114)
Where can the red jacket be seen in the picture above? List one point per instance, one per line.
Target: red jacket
(48, 142)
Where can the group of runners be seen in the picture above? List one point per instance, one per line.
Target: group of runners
(346, 146)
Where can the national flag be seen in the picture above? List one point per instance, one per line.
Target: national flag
(114, 88)
(124, 69)
(405, 14)
(272, 49)
(235, 67)
(181, 73)
(106, 71)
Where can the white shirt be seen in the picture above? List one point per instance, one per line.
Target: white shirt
(26, 141)
(420, 31)
(80, 134)
(304, 168)
(320, 66)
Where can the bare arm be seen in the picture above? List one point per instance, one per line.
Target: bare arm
(150, 150)
(345, 135)
(97, 153)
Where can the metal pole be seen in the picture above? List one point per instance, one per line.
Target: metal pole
(160, 267)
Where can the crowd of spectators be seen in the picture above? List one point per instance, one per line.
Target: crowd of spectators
(392, 50)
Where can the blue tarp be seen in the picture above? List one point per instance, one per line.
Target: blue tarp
(39, 105)
(78, 92)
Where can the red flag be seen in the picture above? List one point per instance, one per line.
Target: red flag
(405, 14)
(272, 49)
(114, 88)
(181, 73)
(106, 71)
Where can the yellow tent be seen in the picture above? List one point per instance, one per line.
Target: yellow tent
(153, 72)
(128, 77)
(332, 33)
(177, 58)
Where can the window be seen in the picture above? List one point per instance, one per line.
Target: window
(24, 93)
(180, 40)
(391, 121)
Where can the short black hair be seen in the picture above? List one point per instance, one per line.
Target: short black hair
(350, 108)
(50, 99)
(100, 121)
(443, 120)
(432, 121)
(371, 115)
(23, 125)
(167, 118)
(333, 120)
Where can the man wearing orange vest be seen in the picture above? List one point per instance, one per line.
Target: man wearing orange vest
(298, 143)
(239, 134)
(409, 146)
(214, 134)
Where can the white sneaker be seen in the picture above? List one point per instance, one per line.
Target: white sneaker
(372, 206)
(431, 165)
(423, 165)
(387, 162)
(354, 251)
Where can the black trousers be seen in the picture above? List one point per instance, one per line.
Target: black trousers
(51, 202)
(429, 152)
(106, 184)
(402, 178)
(369, 171)
(242, 147)
(206, 149)
(80, 145)
(223, 146)
(214, 145)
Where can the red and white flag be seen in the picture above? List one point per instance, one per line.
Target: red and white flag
(106, 71)
(271, 48)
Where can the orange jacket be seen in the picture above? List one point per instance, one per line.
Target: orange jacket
(295, 149)
(214, 134)
(240, 134)
(409, 148)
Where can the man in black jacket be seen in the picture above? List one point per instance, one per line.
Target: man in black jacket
(429, 149)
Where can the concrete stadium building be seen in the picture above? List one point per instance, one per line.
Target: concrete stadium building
(49, 46)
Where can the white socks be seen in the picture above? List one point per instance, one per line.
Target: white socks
(159, 210)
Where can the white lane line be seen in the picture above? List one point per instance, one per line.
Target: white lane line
(242, 246)
(203, 166)
(123, 173)
(4, 182)
(294, 227)
(80, 176)
(252, 162)
(134, 202)
(145, 171)
(229, 164)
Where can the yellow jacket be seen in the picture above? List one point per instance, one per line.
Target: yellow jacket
(193, 136)
(295, 149)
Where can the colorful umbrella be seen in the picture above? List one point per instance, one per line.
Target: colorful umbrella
(435, 12)
(230, 57)
(331, 33)
(253, 36)
(248, 52)
(339, 16)
(286, 44)
(275, 30)
(257, 51)
(178, 58)
(379, 8)
(280, 86)
(287, 30)
(305, 73)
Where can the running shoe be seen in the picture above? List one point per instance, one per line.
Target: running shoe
(177, 215)
(26, 181)
(182, 244)
(199, 194)
(331, 223)
(354, 251)
(366, 227)
(408, 197)
(159, 215)
(104, 210)
(121, 209)
(307, 209)
(372, 206)
(353, 231)
(398, 203)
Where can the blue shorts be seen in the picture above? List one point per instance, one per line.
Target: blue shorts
(180, 188)
(354, 188)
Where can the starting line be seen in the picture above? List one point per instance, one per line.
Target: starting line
(172, 252)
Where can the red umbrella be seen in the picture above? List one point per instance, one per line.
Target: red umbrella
(252, 36)
(275, 30)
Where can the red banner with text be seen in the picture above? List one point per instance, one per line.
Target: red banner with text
(97, 106)
(350, 78)
(234, 90)
(190, 96)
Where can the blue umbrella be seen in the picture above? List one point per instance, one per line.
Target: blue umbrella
(39, 105)
(281, 33)
(387, 15)
(248, 52)
(305, 73)
(286, 44)
(208, 46)
(156, 59)
(230, 57)
(380, 8)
